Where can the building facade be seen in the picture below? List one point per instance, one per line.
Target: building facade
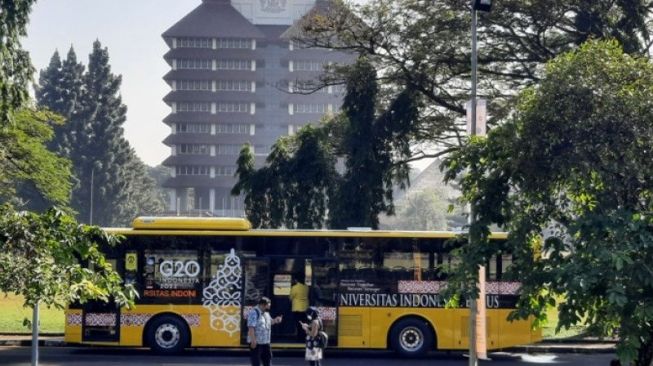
(236, 78)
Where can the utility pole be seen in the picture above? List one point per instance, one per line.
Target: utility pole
(90, 215)
(35, 334)
(476, 324)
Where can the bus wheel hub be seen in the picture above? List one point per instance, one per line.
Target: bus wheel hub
(167, 336)
(411, 338)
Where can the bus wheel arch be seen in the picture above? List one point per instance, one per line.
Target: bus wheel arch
(412, 336)
(167, 333)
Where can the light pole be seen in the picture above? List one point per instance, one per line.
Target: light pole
(476, 324)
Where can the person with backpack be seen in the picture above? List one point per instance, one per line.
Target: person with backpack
(315, 337)
(259, 331)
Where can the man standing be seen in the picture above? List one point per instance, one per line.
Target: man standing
(259, 332)
(299, 300)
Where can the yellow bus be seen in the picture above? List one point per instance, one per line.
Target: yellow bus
(198, 277)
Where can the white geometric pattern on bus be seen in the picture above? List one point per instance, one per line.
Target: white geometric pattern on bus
(436, 287)
(222, 297)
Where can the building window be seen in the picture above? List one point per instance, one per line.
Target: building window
(339, 88)
(233, 128)
(233, 107)
(308, 66)
(262, 149)
(225, 171)
(188, 42)
(193, 107)
(194, 85)
(310, 108)
(193, 64)
(193, 128)
(234, 43)
(228, 149)
(234, 85)
(192, 170)
(234, 64)
(194, 149)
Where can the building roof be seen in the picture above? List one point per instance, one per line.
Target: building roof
(214, 18)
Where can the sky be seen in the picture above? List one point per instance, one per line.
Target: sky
(131, 29)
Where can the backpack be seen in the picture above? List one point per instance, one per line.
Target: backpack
(322, 337)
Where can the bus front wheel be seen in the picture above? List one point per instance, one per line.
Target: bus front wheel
(411, 337)
(167, 334)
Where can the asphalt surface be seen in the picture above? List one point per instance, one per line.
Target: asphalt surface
(54, 356)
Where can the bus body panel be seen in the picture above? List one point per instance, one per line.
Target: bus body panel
(354, 327)
(351, 270)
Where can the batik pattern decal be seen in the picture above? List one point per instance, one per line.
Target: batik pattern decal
(74, 319)
(193, 320)
(421, 287)
(222, 297)
(134, 320)
(100, 319)
(327, 313)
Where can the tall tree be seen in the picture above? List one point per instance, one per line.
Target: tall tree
(425, 46)
(60, 89)
(109, 174)
(16, 68)
(578, 167)
(300, 186)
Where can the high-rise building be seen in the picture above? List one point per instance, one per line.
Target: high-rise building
(236, 78)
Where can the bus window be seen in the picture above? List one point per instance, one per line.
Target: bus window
(492, 269)
(172, 275)
(506, 262)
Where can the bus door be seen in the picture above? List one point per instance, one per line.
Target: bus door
(256, 283)
(282, 271)
(101, 320)
(323, 284)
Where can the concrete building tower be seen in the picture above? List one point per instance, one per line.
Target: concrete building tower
(232, 78)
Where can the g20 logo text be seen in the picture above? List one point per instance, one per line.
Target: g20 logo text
(172, 268)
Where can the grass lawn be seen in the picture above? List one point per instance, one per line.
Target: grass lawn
(12, 314)
(548, 331)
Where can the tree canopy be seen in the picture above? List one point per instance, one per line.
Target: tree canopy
(51, 259)
(104, 165)
(574, 162)
(425, 46)
(301, 185)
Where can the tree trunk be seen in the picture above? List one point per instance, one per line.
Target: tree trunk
(645, 352)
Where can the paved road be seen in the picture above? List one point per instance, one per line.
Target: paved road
(15, 356)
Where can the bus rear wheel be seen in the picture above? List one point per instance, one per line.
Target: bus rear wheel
(411, 337)
(167, 334)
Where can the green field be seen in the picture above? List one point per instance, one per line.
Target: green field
(12, 314)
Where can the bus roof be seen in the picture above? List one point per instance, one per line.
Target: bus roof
(223, 226)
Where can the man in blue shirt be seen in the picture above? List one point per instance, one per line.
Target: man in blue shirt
(259, 332)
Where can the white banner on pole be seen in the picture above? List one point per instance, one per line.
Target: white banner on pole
(481, 117)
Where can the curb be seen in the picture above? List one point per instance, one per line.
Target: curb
(565, 348)
(28, 343)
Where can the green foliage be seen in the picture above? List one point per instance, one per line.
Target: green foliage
(424, 46)
(93, 139)
(27, 166)
(51, 259)
(293, 190)
(421, 210)
(15, 66)
(574, 162)
(300, 185)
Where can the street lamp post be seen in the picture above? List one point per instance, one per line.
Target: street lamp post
(474, 323)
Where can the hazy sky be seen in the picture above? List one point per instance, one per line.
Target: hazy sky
(131, 29)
